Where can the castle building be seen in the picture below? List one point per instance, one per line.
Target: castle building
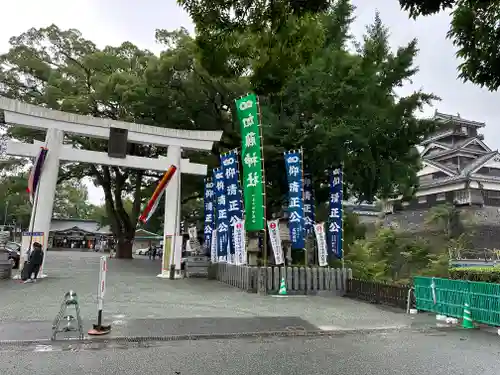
(460, 169)
(457, 167)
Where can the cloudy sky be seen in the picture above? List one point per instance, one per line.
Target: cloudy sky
(109, 22)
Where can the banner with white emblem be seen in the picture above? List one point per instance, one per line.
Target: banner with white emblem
(239, 242)
(319, 230)
(275, 238)
(213, 247)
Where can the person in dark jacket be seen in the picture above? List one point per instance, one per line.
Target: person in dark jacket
(36, 260)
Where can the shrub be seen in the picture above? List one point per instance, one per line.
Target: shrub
(484, 274)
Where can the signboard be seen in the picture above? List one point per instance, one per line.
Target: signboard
(319, 230)
(274, 237)
(213, 247)
(239, 242)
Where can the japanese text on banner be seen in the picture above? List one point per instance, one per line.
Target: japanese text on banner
(229, 163)
(239, 242)
(251, 157)
(309, 211)
(222, 218)
(213, 248)
(319, 230)
(293, 164)
(209, 212)
(274, 236)
(335, 228)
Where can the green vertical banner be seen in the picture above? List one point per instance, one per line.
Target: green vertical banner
(247, 110)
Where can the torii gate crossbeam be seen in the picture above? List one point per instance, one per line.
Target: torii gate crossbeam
(57, 123)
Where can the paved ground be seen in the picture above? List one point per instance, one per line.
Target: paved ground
(394, 353)
(137, 298)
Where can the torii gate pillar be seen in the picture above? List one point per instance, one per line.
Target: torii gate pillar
(172, 243)
(41, 213)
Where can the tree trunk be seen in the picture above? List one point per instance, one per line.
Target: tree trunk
(124, 248)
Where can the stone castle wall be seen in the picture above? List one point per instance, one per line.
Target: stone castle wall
(482, 223)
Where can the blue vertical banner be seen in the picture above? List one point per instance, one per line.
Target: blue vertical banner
(222, 218)
(335, 227)
(209, 212)
(229, 163)
(293, 164)
(309, 211)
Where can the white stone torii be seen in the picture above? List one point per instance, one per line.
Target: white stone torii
(56, 123)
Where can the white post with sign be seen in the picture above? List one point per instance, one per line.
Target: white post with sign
(274, 236)
(98, 328)
(103, 269)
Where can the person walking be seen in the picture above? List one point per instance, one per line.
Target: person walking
(36, 260)
(154, 252)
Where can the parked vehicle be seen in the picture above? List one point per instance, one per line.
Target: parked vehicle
(14, 250)
(144, 251)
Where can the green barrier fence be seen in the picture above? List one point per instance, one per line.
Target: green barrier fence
(447, 297)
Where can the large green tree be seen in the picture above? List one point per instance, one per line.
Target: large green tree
(71, 200)
(342, 108)
(265, 41)
(339, 106)
(474, 30)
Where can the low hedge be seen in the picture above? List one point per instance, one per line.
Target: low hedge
(484, 274)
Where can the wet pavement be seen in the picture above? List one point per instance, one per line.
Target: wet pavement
(151, 328)
(389, 353)
(137, 303)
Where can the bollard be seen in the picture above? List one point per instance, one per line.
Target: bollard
(409, 310)
(172, 272)
(99, 328)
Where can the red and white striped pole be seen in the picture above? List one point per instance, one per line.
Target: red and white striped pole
(98, 328)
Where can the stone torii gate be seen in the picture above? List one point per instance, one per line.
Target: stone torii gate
(57, 123)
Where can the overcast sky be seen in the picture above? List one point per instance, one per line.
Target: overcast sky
(109, 22)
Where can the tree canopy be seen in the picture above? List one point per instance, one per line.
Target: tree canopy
(474, 30)
(70, 201)
(337, 104)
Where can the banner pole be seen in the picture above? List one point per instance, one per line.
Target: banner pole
(342, 215)
(306, 258)
(32, 220)
(264, 239)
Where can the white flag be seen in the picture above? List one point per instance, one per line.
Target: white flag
(319, 230)
(239, 242)
(213, 246)
(275, 238)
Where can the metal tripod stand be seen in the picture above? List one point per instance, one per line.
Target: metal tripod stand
(70, 299)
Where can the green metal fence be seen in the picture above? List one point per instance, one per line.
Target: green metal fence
(447, 297)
